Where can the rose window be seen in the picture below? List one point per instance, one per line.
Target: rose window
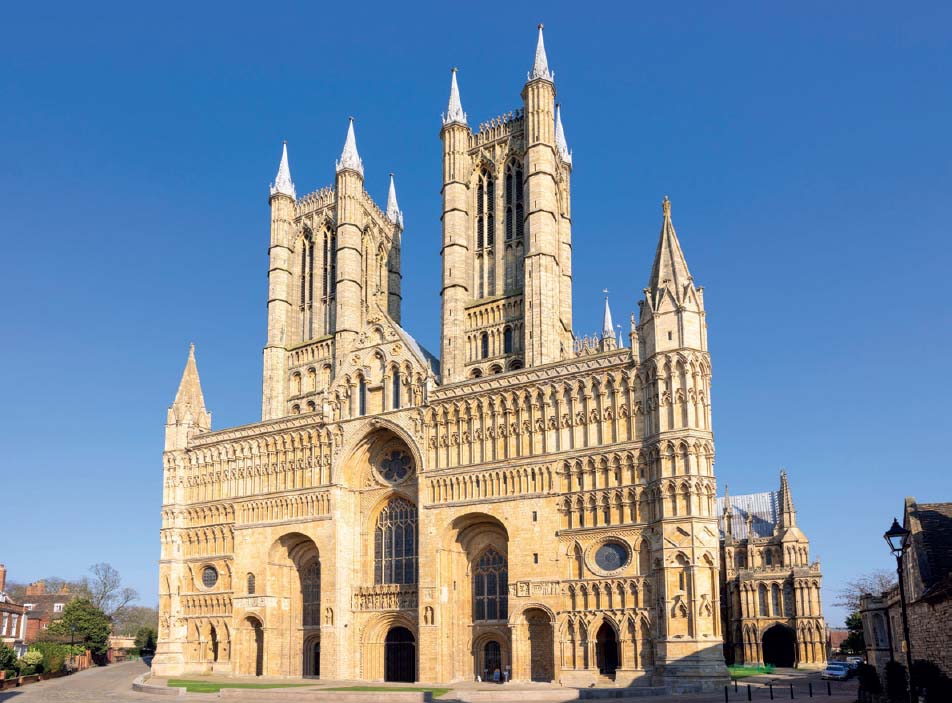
(396, 466)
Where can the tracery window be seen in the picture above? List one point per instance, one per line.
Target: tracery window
(514, 208)
(762, 598)
(485, 233)
(311, 592)
(491, 587)
(395, 543)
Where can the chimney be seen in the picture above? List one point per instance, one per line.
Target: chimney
(37, 588)
(3, 578)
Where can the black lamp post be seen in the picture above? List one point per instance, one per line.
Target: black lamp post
(897, 538)
(72, 637)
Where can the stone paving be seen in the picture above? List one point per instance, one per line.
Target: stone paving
(113, 684)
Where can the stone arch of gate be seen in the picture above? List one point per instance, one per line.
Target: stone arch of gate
(372, 641)
(533, 643)
(498, 634)
(289, 556)
(250, 656)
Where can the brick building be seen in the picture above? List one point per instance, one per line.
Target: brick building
(13, 617)
(927, 577)
(43, 608)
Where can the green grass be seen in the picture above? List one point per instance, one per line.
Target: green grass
(742, 672)
(437, 692)
(193, 686)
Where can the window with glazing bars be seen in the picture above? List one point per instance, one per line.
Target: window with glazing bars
(311, 592)
(395, 543)
(491, 587)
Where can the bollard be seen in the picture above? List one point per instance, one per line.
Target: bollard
(735, 685)
(771, 690)
(791, 691)
(829, 691)
(726, 694)
(748, 692)
(810, 684)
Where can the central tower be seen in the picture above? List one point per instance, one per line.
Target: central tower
(507, 272)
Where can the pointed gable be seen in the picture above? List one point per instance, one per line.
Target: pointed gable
(189, 401)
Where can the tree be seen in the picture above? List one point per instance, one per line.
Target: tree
(875, 582)
(8, 658)
(106, 591)
(130, 620)
(854, 642)
(91, 625)
(145, 640)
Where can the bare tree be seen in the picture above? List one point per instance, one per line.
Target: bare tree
(874, 582)
(106, 590)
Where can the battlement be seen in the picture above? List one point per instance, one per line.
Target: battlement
(314, 201)
(374, 209)
(504, 125)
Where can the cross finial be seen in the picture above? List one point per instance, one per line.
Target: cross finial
(666, 206)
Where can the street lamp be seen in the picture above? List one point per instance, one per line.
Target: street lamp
(72, 637)
(897, 537)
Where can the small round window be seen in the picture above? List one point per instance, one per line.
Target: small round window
(396, 466)
(611, 556)
(209, 576)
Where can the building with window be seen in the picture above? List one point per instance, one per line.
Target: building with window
(771, 604)
(533, 502)
(44, 607)
(13, 618)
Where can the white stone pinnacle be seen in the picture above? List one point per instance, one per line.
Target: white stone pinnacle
(349, 158)
(282, 182)
(560, 142)
(393, 210)
(608, 327)
(454, 111)
(540, 68)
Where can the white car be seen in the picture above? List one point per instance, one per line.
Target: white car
(838, 671)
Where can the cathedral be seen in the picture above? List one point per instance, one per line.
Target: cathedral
(530, 502)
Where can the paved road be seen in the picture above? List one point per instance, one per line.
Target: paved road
(95, 685)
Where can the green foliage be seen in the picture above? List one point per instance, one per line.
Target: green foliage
(193, 686)
(936, 686)
(896, 681)
(145, 640)
(742, 672)
(868, 679)
(854, 642)
(87, 623)
(31, 663)
(133, 618)
(8, 659)
(55, 654)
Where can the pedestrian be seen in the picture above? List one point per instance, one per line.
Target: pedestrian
(496, 675)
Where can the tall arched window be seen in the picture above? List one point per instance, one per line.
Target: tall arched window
(484, 346)
(396, 389)
(762, 598)
(251, 584)
(311, 592)
(395, 543)
(491, 587)
(775, 600)
(507, 340)
(361, 397)
(485, 233)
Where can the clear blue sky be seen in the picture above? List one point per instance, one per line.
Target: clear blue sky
(805, 147)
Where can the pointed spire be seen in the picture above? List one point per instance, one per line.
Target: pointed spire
(621, 340)
(560, 142)
(788, 514)
(349, 158)
(540, 68)
(282, 182)
(189, 400)
(670, 267)
(454, 110)
(608, 327)
(393, 210)
(727, 501)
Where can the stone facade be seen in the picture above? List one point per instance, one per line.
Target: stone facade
(533, 502)
(771, 607)
(927, 577)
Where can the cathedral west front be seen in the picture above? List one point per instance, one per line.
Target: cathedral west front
(528, 501)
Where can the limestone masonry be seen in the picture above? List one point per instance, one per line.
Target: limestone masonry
(531, 502)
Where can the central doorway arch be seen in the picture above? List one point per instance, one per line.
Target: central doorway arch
(312, 657)
(606, 650)
(399, 655)
(779, 646)
(492, 659)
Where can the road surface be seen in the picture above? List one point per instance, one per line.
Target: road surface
(94, 685)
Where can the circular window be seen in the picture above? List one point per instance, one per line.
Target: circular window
(611, 556)
(396, 466)
(209, 576)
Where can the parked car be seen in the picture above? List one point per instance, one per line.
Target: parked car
(838, 671)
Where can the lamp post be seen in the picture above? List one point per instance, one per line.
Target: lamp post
(72, 637)
(897, 537)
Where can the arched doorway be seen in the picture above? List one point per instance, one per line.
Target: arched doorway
(252, 647)
(399, 655)
(213, 642)
(312, 657)
(606, 650)
(492, 660)
(779, 646)
(541, 652)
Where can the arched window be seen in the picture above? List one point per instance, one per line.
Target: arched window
(484, 345)
(519, 209)
(507, 340)
(775, 600)
(490, 587)
(396, 389)
(395, 550)
(251, 584)
(311, 592)
(768, 557)
(762, 598)
(485, 233)
(361, 397)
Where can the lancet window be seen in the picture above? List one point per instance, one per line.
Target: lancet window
(490, 587)
(395, 543)
(311, 592)
(485, 233)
